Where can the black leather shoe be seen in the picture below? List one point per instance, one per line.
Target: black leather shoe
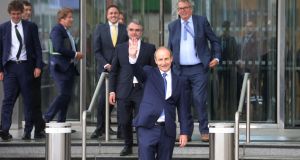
(5, 136)
(96, 134)
(45, 120)
(111, 131)
(120, 135)
(26, 136)
(39, 135)
(126, 151)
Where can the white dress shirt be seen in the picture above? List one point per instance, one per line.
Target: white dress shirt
(15, 43)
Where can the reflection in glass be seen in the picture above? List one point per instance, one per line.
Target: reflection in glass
(44, 15)
(253, 28)
(292, 65)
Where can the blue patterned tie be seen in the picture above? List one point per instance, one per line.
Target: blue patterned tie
(187, 29)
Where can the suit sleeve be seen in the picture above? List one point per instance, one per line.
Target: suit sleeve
(97, 42)
(57, 39)
(38, 48)
(184, 113)
(113, 75)
(213, 39)
(140, 72)
(152, 51)
(1, 48)
(170, 36)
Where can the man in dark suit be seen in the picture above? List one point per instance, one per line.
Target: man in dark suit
(107, 37)
(164, 91)
(21, 62)
(62, 65)
(188, 40)
(124, 87)
(38, 122)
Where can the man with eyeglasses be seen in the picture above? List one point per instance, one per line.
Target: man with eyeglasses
(124, 88)
(188, 40)
(107, 37)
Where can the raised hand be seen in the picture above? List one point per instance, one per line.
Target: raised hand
(133, 47)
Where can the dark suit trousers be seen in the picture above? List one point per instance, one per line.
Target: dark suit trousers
(17, 79)
(64, 82)
(127, 109)
(37, 115)
(197, 77)
(154, 143)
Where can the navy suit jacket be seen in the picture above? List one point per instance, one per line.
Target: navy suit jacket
(62, 45)
(153, 101)
(31, 40)
(203, 33)
(103, 46)
(121, 75)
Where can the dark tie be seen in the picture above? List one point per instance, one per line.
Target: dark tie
(164, 75)
(187, 29)
(20, 41)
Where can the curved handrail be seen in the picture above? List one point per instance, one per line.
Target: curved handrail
(104, 76)
(246, 83)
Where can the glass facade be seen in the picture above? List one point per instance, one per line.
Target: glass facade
(248, 35)
(292, 64)
(44, 15)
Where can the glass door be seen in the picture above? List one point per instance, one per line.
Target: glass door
(44, 15)
(292, 65)
(247, 31)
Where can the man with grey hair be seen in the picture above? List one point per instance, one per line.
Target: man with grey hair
(188, 40)
(124, 87)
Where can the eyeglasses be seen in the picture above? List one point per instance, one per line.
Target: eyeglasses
(136, 30)
(183, 8)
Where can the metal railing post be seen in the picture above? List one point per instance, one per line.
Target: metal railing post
(236, 136)
(107, 116)
(84, 113)
(84, 135)
(245, 87)
(248, 113)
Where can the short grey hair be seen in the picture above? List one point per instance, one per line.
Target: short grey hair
(137, 22)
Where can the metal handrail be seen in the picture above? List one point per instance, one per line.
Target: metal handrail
(246, 83)
(104, 76)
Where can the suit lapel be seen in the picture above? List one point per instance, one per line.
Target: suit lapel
(108, 34)
(25, 29)
(174, 82)
(195, 23)
(120, 32)
(141, 52)
(178, 32)
(160, 82)
(8, 36)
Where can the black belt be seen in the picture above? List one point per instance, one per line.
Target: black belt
(159, 123)
(193, 65)
(18, 62)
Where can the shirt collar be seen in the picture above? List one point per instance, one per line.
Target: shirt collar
(13, 24)
(168, 72)
(110, 24)
(190, 20)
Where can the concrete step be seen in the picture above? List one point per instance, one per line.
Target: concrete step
(100, 150)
